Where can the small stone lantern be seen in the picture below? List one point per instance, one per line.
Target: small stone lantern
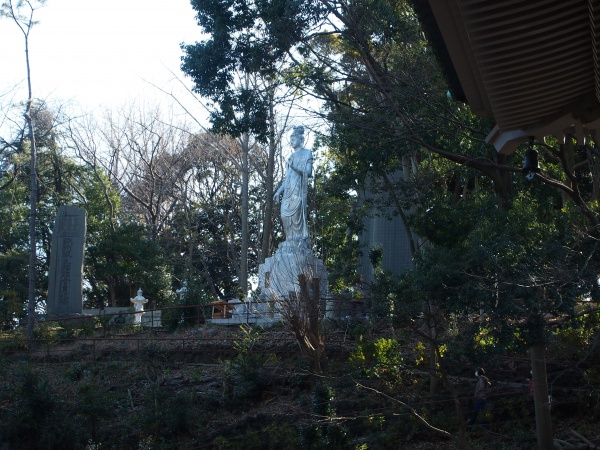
(182, 292)
(138, 304)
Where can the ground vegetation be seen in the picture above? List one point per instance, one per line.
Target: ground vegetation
(229, 387)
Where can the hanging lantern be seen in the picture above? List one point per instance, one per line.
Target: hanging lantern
(531, 164)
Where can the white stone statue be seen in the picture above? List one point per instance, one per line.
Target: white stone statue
(295, 190)
(278, 275)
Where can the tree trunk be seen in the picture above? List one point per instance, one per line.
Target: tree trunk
(543, 422)
(428, 329)
(433, 379)
(244, 249)
(112, 292)
(305, 324)
(268, 217)
(313, 321)
(31, 303)
(568, 151)
(595, 172)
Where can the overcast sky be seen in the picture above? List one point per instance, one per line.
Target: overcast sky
(99, 52)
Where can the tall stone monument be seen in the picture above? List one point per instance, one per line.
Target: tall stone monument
(278, 276)
(65, 280)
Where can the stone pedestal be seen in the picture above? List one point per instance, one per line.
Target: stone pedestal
(278, 276)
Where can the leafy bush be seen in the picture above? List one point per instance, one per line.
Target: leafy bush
(11, 310)
(380, 358)
(197, 296)
(93, 408)
(32, 415)
(245, 375)
(323, 434)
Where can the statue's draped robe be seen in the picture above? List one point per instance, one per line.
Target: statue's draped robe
(294, 202)
(278, 276)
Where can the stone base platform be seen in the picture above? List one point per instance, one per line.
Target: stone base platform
(278, 276)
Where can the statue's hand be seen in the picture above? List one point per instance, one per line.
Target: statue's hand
(277, 197)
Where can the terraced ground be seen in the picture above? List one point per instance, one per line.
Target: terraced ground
(218, 387)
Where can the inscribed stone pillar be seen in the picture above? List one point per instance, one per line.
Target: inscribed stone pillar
(65, 283)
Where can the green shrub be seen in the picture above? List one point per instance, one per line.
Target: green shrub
(171, 319)
(93, 407)
(245, 375)
(165, 414)
(197, 296)
(330, 436)
(323, 434)
(32, 415)
(380, 358)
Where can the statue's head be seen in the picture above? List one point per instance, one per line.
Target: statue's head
(298, 136)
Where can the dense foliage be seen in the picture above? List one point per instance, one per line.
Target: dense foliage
(501, 264)
(161, 203)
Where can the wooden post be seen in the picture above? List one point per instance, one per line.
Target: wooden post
(316, 298)
(543, 421)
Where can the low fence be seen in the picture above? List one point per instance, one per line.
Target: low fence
(120, 325)
(116, 320)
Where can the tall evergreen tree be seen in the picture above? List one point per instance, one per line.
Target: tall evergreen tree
(22, 14)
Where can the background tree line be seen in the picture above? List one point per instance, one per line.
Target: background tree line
(166, 202)
(163, 205)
